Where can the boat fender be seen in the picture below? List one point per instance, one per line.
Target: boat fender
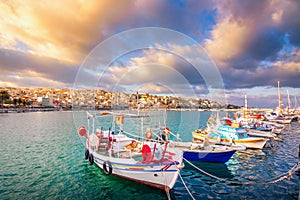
(146, 154)
(148, 134)
(107, 168)
(91, 159)
(86, 155)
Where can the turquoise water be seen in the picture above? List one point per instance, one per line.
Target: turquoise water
(43, 158)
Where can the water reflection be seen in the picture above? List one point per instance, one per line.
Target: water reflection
(216, 169)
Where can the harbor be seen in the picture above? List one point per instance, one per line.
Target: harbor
(157, 100)
(43, 157)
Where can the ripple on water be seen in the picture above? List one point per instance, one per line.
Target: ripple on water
(42, 158)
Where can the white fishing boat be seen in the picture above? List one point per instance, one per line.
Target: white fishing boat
(276, 127)
(258, 133)
(282, 119)
(130, 156)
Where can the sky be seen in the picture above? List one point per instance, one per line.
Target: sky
(220, 50)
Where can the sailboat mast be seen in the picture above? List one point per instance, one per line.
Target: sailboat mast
(279, 98)
(138, 104)
(289, 101)
(246, 107)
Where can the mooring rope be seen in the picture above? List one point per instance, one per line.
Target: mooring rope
(285, 175)
(187, 189)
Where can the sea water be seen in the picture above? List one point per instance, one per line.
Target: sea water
(42, 157)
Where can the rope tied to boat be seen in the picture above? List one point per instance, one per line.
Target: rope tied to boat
(285, 175)
(186, 187)
(289, 173)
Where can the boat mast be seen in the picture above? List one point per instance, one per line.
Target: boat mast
(246, 107)
(137, 101)
(289, 102)
(279, 98)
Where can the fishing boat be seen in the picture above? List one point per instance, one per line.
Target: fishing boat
(275, 127)
(231, 134)
(204, 152)
(135, 157)
(259, 133)
(282, 119)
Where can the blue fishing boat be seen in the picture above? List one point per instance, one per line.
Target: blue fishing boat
(206, 152)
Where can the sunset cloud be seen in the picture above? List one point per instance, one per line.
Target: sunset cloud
(62, 30)
(253, 44)
(228, 40)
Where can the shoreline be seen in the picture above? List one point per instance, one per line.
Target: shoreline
(25, 110)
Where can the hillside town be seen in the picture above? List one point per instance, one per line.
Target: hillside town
(67, 99)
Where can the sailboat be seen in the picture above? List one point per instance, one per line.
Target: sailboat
(253, 123)
(278, 116)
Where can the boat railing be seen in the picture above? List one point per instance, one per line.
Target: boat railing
(156, 137)
(138, 137)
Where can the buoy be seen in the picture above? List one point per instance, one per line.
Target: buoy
(82, 131)
(105, 113)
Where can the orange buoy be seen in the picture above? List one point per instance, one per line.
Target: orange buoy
(105, 113)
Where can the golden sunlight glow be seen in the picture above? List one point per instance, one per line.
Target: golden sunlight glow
(228, 39)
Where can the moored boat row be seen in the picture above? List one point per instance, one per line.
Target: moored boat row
(230, 134)
(151, 158)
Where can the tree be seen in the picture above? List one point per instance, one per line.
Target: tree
(3, 96)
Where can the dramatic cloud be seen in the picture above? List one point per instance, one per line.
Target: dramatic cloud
(155, 70)
(63, 30)
(30, 69)
(253, 43)
(228, 40)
